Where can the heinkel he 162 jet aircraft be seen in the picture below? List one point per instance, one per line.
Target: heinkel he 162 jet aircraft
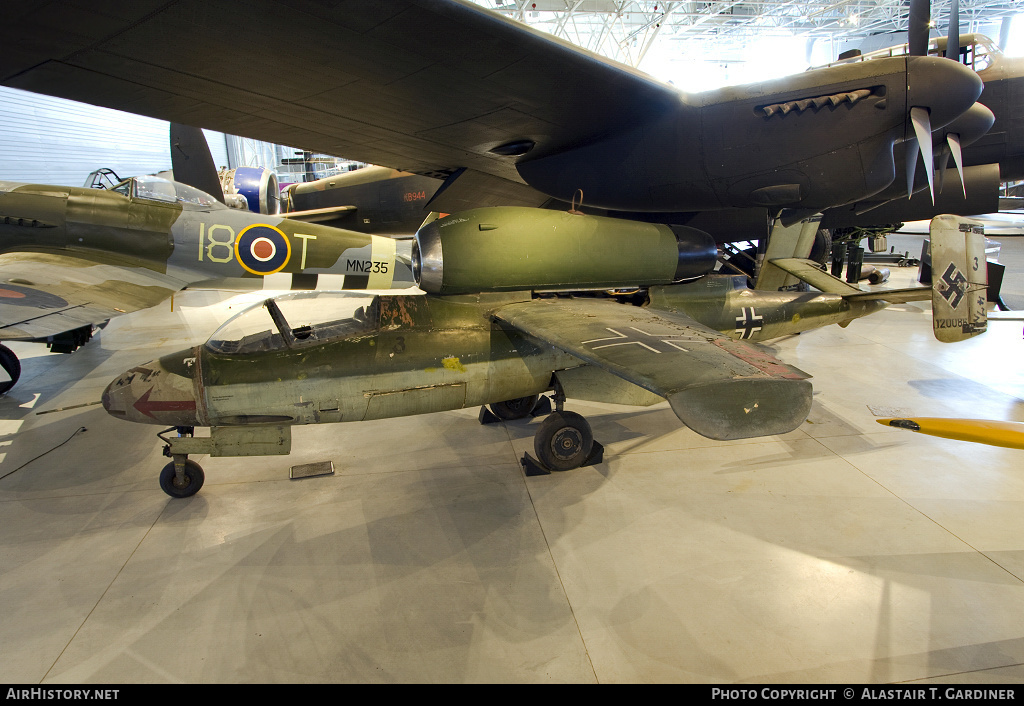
(73, 257)
(506, 115)
(491, 330)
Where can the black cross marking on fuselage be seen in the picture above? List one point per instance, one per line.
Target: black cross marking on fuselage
(623, 339)
(956, 285)
(749, 322)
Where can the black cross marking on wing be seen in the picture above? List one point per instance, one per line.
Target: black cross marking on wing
(632, 339)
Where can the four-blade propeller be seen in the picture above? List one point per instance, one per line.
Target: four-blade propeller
(920, 142)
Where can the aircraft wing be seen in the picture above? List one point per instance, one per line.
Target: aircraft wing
(425, 86)
(44, 294)
(809, 272)
(720, 388)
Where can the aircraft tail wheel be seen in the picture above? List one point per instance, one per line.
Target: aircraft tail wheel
(12, 366)
(514, 409)
(821, 250)
(563, 441)
(189, 484)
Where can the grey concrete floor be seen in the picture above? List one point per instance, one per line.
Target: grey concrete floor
(844, 551)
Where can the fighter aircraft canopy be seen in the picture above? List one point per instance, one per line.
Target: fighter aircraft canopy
(312, 317)
(154, 188)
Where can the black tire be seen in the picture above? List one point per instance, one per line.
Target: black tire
(821, 250)
(563, 441)
(194, 478)
(10, 363)
(514, 409)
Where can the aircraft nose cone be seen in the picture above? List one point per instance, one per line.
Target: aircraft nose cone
(152, 394)
(947, 88)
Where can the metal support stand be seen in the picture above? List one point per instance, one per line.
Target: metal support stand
(486, 416)
(854, 262)
(543, 407)
(838, 258)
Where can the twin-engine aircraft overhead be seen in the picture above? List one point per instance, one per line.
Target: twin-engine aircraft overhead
(73, 257)
(505, 114)
(485, 335)
(373, 199)
(972, 155)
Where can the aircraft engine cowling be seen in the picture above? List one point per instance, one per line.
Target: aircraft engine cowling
(252, 188)
(507, 248)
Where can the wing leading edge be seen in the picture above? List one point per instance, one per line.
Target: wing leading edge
(721, 388)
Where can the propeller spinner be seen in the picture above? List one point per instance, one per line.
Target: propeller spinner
(920, 118)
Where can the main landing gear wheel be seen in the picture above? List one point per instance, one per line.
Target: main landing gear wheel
(12, 366)
(188, 486)
(514, 409)
(564, 441)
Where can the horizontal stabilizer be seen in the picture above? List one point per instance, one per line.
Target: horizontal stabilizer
(812, 274)
(809, 272)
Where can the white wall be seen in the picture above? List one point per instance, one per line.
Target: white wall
(48, 140)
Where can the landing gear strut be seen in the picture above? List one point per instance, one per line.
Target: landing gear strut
(181, 478)
(564, 440)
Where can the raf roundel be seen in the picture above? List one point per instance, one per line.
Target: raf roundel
(262, 249)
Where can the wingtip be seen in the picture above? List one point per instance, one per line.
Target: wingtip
(744, 408)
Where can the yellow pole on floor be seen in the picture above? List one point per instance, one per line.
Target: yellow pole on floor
(980, 431)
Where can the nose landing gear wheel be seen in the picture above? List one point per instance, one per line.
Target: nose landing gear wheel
(188, 486)
(563, 441)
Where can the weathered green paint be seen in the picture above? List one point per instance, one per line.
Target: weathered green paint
(419, 354)
(514, 248)
(722, 301)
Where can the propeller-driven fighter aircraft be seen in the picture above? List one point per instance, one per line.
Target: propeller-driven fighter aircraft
(490, 330)
(73, 257)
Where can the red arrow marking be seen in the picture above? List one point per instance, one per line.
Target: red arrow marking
(146, 407)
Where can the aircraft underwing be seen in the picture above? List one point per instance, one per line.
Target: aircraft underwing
(73, 257)
(505, 114)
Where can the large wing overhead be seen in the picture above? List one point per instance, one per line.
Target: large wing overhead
(426, 86)
(720, 388)
(43, 294)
